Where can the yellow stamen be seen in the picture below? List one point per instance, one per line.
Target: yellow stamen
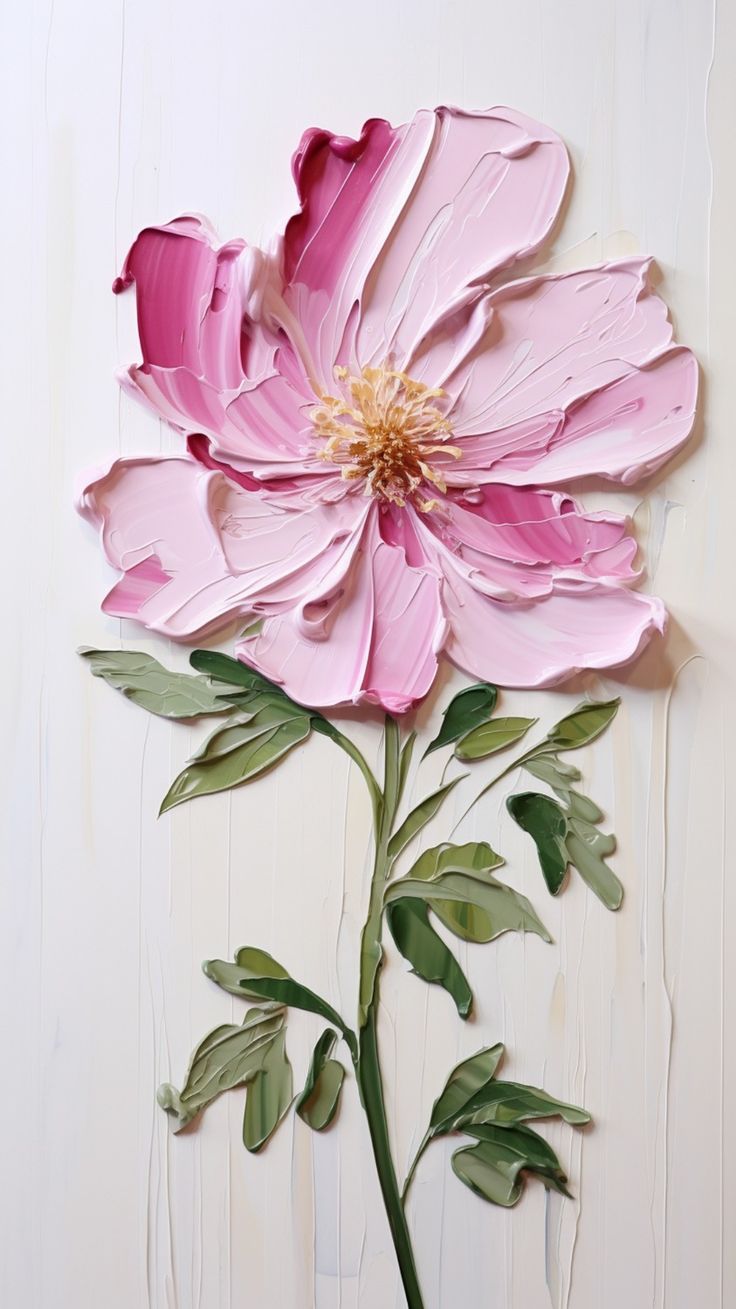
(384, 429)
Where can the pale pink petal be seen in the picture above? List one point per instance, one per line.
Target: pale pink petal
(541, 643)
(262, 428)
(370, 634)
(623, 432)
(488, 195)
(403, 227)
(511, 543)
(196, 550)
(554, 340)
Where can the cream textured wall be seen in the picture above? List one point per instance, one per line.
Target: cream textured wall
(118, 114)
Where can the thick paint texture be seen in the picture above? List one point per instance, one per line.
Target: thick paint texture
(372, 417)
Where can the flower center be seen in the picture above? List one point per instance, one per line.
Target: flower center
(385, 429)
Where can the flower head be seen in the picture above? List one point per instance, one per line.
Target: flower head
(376, 424)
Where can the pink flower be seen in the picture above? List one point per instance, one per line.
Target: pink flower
(373, 414)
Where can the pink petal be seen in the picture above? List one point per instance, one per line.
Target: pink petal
(371, 633)
(513, 544)
(196, 550)
(403, 226)
(553, 341)
(623, 432)
(214, 360)
(541, 643)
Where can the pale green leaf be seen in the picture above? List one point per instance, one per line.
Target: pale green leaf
(493, 736)
(229, 1056)
(419, 817)
(318, 1102)
(583, 725)
(147, 683)
(239, 765)
(507, 910)
(268, 1096)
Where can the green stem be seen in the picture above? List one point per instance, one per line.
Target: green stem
(368, 1068)
(517, 763)
(413, 1167)
(371, 1094)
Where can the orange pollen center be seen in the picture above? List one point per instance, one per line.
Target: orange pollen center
(385, 429)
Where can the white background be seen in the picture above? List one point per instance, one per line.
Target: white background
(115, 116)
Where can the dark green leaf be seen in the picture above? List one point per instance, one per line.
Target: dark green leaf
(147, 683)
(427, 953)
(248, 761)
(583, 725)
(492, 737)
(268, 1096)
(229, 1056)
(471, 706)
(546, 823)
(256, 973)
(494, 1167)
(419, 817)
(317, 1104)
(225, 669)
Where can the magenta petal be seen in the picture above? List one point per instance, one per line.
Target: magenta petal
(515, 543)
(372, 636)
(196, 550)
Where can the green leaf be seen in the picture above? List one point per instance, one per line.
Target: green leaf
(427, 953)
(225, 669)
(256, 973)
(506, 910)
(268, 1096)
(228, 1056)
(262, 719)
(548, 768)
(587, 849)
(407, 750)
(419, 817)
(463, 1085)
(546, 823)
(147, 683)
(476, 857)
(513, 1102)
(492, 737)
(583, 725)
(471, 706)
(317, 1104)
(220, 773)
(494, 1167)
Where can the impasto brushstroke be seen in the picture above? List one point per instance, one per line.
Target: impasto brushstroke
(374, 419)
(371, 422)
